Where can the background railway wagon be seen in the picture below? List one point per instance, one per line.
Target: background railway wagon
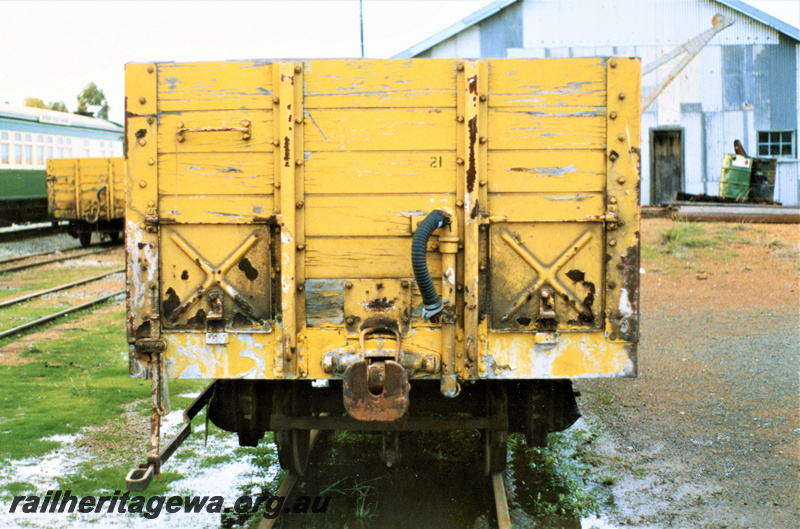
(89, 193)
(31, 136)
(439, 244)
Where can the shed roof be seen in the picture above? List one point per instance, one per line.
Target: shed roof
(52, 117)
(498, 5)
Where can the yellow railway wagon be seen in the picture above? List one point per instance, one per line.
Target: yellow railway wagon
(382, 245)
(89, 193)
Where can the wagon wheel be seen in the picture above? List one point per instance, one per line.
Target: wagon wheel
(495, 442)
(85, 238)
(293, 444)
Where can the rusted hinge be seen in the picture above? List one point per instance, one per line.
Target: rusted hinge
(149, 345)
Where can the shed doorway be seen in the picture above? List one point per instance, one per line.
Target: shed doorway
(666, 169)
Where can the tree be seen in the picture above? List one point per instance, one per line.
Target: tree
(35, 102)
(91, 95)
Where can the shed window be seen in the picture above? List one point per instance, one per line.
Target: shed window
(4, 154)
(776, 143)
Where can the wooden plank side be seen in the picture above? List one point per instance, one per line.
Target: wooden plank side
(547, 207)
(250, 173)
(261, 134)
(380, 83)
(369, 215)
(392, 129)
(526, 129)
(548, 84)
(380, 172)
(362, 257)
(214, 85)
(532, 171)
(215, 209)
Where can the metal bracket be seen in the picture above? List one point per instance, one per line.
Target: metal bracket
(150, 346)
(244, 129)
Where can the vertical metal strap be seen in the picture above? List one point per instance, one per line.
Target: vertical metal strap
(288, 100)
(623, 121)
(76, 171)
(110, 206)
(470, 138)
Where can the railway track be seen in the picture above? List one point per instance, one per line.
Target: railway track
(498, 488)
(33, 264)
(35, 313)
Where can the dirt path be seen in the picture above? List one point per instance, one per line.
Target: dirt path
(708, 436)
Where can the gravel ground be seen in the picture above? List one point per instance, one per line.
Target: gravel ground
(39, 244)
(708, 435)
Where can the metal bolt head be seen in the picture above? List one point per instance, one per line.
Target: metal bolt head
(350, 320)
(620, 137)
(620, 266)
(621, 95)
(482, 268)
(613, 200)
(460, 203)
(277, 184)
(151, 204)
(300, 205)
(142, 142)
(612, 243)
(460, 67)
(300, 287)
(613, 156)
(611, 284)
(142, 184)
(298, 162)
(459, 161)
(405, 283)
(348, 284)
(151, 162)
(459, 287)
(276, 99)
(612, 63)
(300, 246)
(142, 100)
(298, 69)
(483, 139)
(620, 180)
(612, 336)
(150, 120)
(150, 69)
(613, 115)
(276, 143)
(482, 183)
(460, 119)
(482, 97)
(180, 124)
(213, 296)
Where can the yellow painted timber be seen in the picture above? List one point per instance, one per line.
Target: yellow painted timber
(381, 83)
(378, 129)
(372, 216)
(520, 130)
(549, 85)
(214, 86)
(363, 257)
(548, 207)
(423, 172)
(575, 354)
(216, 174)
(215, 209)
(209, 140)
(546, 171)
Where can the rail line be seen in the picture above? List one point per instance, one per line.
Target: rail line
(51, 317)
(18, 233)
(25, 266)
(498, 487)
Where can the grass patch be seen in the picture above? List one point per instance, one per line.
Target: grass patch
(76, 380)
(566, 468)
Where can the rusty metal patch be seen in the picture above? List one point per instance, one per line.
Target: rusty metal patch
(377, 391)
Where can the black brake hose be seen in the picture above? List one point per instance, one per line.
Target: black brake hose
(432, 303)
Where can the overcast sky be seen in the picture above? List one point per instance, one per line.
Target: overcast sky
(51, 50)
